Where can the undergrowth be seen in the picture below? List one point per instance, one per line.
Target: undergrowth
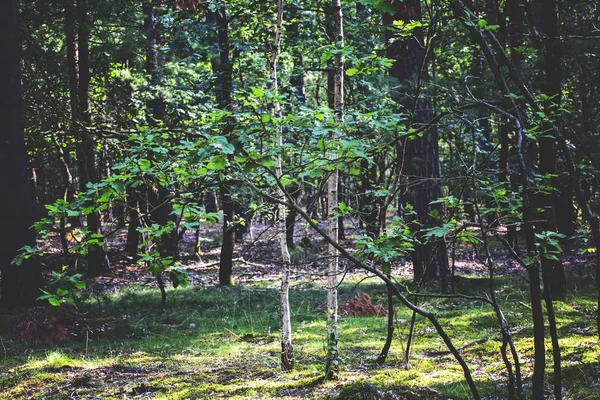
(224, 342)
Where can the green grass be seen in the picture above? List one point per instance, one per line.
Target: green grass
(210, 343)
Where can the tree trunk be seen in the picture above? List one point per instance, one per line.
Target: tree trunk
(390, 327)
(287, 350)
(553, 273)
(210, 202)
(156, 105)
(548, 22)
(223, 67)
(297, 83)
(332, 362)
(419, 157)
(369, 210)
(96, 257)
(515, 10)
(19, 285)
(73, 74)
(159, 199)
(133, 235)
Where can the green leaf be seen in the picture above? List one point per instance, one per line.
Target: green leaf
(267, 162)
(217, 162)
(54, 301)
(266, 118)
(179, 277)
(286, 180)
(144, 164)
(351, 71)
(257, 93)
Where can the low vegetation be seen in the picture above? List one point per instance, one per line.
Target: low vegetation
(211, 342)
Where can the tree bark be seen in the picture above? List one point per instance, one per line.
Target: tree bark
(19, 285)
(159, 199)
(369, 209)
(96, 256)
(133, 235)
(553, 273)
(420, 156)
(223, 68)
(390, 326)
(332, 362)
(73, 74)
(551, 51)
(287, 350)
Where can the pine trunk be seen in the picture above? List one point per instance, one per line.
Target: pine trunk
(19, 285)
(418, 157)
(159, 201)
(223, 67)
(96, 257)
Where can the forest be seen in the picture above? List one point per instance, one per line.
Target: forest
(328, 199)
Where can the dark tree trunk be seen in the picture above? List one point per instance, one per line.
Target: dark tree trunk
(420, 158)
(390, 327)
(73, 74)
(369, 211)
(224, 95)
(243, 221)
(160, 213)
(210, 202)
(536, 305)
(156, 105)
(297, 77)
(96, 257)
(159, 200)
(566, 216)
(133, 235)
(515, 10)
(553, 273)
(19, 285)
(297, 83)
(290, 219)
(551, 50)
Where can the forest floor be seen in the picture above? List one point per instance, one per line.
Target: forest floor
(214, 342)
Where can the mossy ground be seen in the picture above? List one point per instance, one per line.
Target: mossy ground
(212, 342)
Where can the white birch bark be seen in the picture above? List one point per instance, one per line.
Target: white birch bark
(331, 368)
(287, 352)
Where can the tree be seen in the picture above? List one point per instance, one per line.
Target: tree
(418, 157)
(19, 285)
(159, 199)
(223, 69)
(79, 77)
(287, 350)
(332, 367)
(548, 27)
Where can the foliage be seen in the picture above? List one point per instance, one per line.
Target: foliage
(63, 287)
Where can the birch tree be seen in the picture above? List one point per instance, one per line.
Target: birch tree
(287, 350)
(331, 367)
